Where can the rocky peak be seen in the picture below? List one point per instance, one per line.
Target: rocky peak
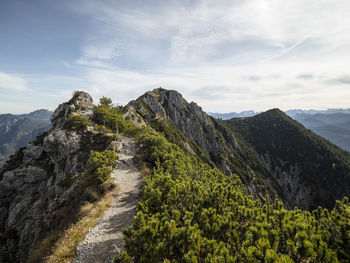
(189, 118)
(219, 144)
(81, 102)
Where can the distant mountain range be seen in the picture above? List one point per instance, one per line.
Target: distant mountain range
(332, 124)
(17, 130)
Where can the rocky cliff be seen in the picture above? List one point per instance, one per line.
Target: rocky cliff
(40, 186)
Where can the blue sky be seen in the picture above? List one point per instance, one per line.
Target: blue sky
(225, 55)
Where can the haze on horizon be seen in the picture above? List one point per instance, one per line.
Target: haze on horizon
(225, 55)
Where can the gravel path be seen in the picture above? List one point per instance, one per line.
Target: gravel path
(101, 241)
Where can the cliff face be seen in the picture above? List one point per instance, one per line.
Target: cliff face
(39, 184)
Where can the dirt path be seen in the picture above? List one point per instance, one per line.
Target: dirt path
(99, 244)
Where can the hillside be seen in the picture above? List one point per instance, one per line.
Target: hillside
(233, 146)
(310, 170)
(18, 130)
(188, 126)
(331, 124)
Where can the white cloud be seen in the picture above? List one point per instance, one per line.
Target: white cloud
(12, 82)
(226, 55)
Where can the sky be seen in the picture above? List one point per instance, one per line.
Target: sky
(227, 56)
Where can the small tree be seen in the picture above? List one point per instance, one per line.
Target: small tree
(106, 101)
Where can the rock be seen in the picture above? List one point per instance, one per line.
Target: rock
(36, 183)
(81, 102)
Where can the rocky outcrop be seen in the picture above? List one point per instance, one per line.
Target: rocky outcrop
(39, 183)
(189, 118)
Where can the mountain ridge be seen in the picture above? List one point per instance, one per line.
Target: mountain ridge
(204, 174)
(220, 144)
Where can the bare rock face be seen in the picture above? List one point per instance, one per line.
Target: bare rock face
(81, 101)
(37, 182)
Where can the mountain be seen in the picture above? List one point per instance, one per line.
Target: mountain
(18, 130)
(187, 125)
(213, 190)
(294, 112)
(310, 170)
(226, 116)
(271, 153)
(332, 124)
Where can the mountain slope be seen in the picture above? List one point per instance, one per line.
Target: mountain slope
(17, 130)
(189, 210)
(233, 146)
(332, 124)
(310, 170)
(187, 125)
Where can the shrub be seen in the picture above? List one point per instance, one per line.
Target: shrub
(106, 101)
(190, 212)
(76, 122)
(101, 164)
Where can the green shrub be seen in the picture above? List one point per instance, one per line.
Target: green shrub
(106, 101)
(190, 212)
(101, 164)
(112, 117)
(103, 129)
(76, 122)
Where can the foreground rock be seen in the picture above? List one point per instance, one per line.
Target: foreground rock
(37, 185)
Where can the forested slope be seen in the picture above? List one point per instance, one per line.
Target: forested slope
(310, 170)
(191, 212)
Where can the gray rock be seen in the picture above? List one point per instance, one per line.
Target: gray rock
(33, 192)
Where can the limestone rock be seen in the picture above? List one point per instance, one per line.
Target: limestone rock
(36, 183)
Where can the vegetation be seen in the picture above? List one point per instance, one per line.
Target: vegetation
(101, 164)
(112, 118)
(285, 141)
(76, 123)
(106, 101)
(190, 212)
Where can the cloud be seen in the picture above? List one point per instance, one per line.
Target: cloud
(12, 82)
(305, 76)
(345, 79)
(226, 55)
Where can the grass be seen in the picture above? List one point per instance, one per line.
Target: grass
(64, 249)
